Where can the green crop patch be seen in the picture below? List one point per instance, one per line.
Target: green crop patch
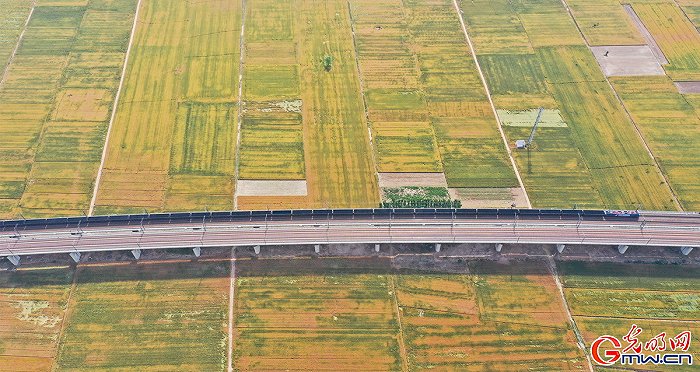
(178, 310)
(669, 123)
(604, 22)
(548, 119)
(272, 146)
(513, 73)
(204, 139)
(406, 147)
(264, 82)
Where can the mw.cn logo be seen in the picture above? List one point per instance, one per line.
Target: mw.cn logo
(608, 350)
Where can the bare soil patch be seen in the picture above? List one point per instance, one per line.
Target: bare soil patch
(272, 188)
(686, 87)
(489, 197)
(412, 179)
(628, 60)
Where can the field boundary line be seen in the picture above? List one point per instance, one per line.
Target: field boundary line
(241, 66)
(679, 206)
(114, 110)
(231, 293)
(579, 338)
(17, 44)
(364, 98)
(402, 344)
(472, 51)
(62, 327)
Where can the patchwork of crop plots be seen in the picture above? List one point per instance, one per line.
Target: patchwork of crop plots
(335, 319)
(609, 298)
(597, 159)
(400, 68)
(33, 306)
(339, 168)
(173, 140)
(333, 313)
(503, 317)
(404, 139)
(272, 124)
(55, 103)
(670, 125)
(148, 317)
(431, 112)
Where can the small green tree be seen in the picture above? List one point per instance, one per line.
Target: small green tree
(327, 62)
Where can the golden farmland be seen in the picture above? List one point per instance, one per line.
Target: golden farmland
(330, 313)
(214, 95)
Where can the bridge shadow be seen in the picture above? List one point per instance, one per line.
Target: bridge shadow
(187, 269)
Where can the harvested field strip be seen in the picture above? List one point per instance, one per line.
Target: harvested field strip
(604, 22)
(658, 298)
(272, 144)
(678, 39)
(669, 124)
(33, 305)
(339, 168)
(56, 100)
(404, 140)
(173, 138)
(465, 126)
(167, 317)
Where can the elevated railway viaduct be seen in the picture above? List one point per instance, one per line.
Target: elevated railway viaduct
(196, 230)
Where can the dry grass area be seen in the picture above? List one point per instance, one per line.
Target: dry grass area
(55, 104)
(172, 145)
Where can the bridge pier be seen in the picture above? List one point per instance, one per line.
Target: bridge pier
(499, 247)
(14, 259)
(438, 247)
(376, 248)
(686, 250)
(75, 256)
(317, 248)
(197, 251)
(560, 247)
(136, 253)
(622, 248)
(257, 249)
